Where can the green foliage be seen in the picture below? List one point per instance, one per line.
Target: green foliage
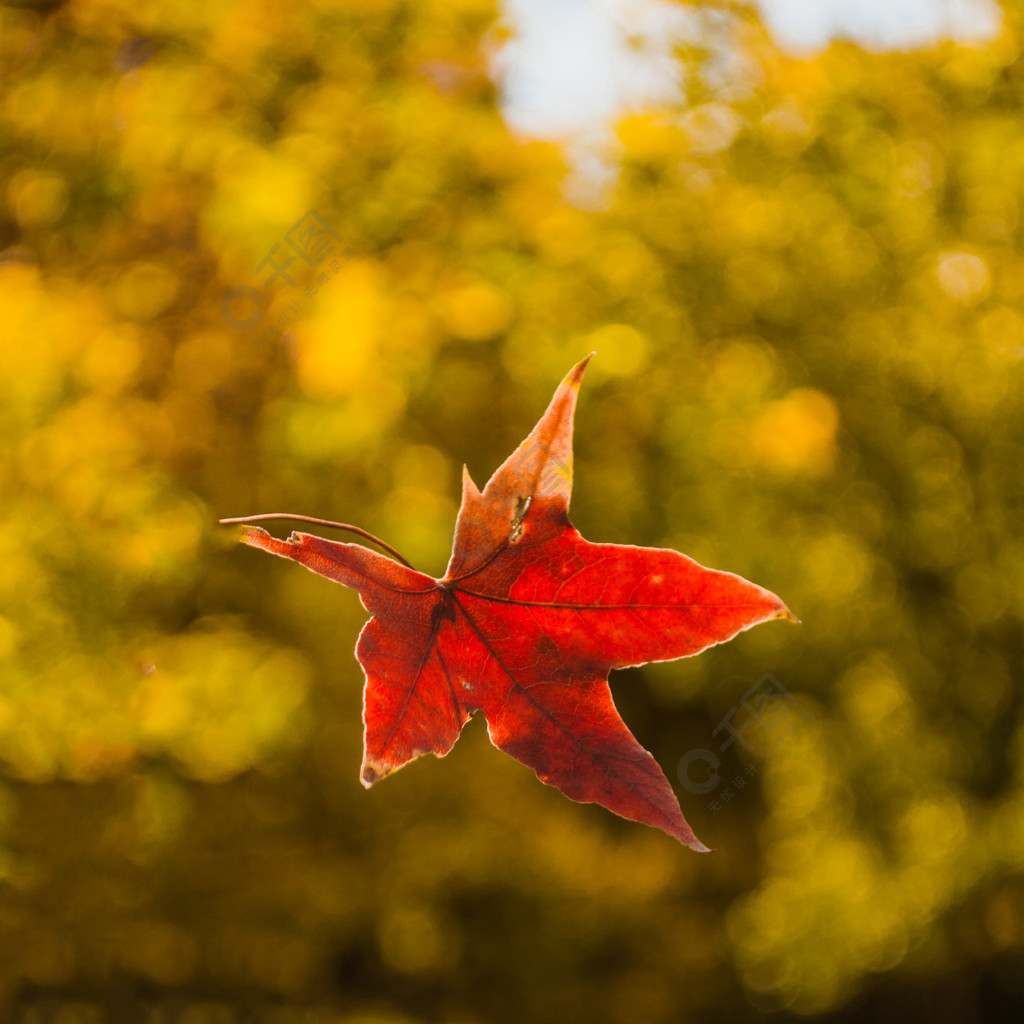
(805, 296)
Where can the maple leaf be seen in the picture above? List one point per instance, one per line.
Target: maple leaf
(524, 626)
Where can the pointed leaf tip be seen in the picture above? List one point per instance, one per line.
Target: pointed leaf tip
(254, 535)
(576, 373)
(468, 483)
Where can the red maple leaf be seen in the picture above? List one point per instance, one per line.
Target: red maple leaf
(524, 626)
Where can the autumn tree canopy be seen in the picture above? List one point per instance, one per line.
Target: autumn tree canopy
(260, 257)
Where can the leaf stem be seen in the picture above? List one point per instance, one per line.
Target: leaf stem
(322, 522)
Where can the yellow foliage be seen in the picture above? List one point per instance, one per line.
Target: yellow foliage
(38, 199)
(474, 312)
(143, 290)
(336, 351)
(804, 291)
(797, 433)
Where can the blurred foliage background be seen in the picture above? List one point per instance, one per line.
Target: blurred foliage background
(805, 295)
